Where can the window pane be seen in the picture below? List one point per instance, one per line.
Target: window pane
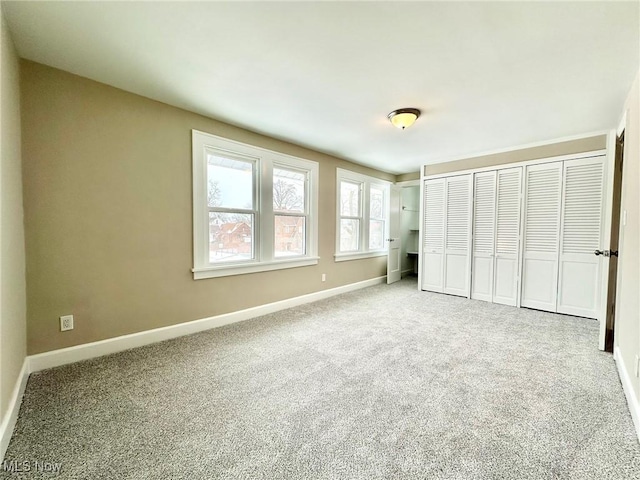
(289, 236)
(349, 234)
(376, 202)
(229, 182)
(349, 199)
(288, 191)
(376, 235)
(230, 237)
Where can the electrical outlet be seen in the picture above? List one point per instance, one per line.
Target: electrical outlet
(324, 277)
(66, 323)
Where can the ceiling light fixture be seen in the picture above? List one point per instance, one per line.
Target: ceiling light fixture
(403, 117)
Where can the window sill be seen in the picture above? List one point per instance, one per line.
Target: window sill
(344, 257)
(214, 272)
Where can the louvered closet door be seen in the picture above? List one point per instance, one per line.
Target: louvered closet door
(484, 220)
(433, 235)
(507, 247)
(457, 235)
(543, 189)
(579, 276)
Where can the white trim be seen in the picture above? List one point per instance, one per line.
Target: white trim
(524, 163)
(213, 272)
(344, 257)
(629, 392)
(11, 415)
(520, 266)
(520, 147)
(86, 351)
(420, 245)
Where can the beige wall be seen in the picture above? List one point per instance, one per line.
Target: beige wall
(405, 177)
(108, 206)
(627, 328)
(598, 142)
(12, 256)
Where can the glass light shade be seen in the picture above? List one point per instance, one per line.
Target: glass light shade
(403, 118)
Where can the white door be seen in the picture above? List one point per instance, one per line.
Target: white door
(508, 206)
(543, 191)
(433, 235)
(484, 220)
(581, 220)
(457, 235)
(394, 260)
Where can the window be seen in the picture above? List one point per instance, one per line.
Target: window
(231, 185)
(377, 217)
(363, 212)
(289, 206)
(350, 216)
(253, 209)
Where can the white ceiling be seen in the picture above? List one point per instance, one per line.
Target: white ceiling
(487, 76)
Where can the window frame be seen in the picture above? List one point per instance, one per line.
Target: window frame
(254, 211)
(264, 228)
(305, 213)
(385, 213)
(359, 217)
(365, 183)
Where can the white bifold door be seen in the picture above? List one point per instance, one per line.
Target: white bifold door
(433, 234)
(484, 235)
(496, 235)
(543, 199)
(563, 215)
(580, 230)
(447, 235)
(457, 235)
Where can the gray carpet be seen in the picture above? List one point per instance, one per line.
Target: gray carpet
(382, 383)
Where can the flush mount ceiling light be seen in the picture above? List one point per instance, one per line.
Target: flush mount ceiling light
(403, 117)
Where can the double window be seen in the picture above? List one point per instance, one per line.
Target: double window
(254, 209)
(362, 216)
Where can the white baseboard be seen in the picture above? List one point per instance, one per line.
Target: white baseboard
(9, 420)
(629, 392)
(86, 351)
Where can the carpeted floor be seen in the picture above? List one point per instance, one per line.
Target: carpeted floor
(382, 383)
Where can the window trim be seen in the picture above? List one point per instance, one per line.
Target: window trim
(264, 243)
(365, 183)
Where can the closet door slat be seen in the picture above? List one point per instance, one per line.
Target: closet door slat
(484, 223)
(508, 207)
(579, 270)
(543, 197)
(457, 235)
(433, 235)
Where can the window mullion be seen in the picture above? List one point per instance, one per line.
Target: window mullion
(266, 211)
(364, 237)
